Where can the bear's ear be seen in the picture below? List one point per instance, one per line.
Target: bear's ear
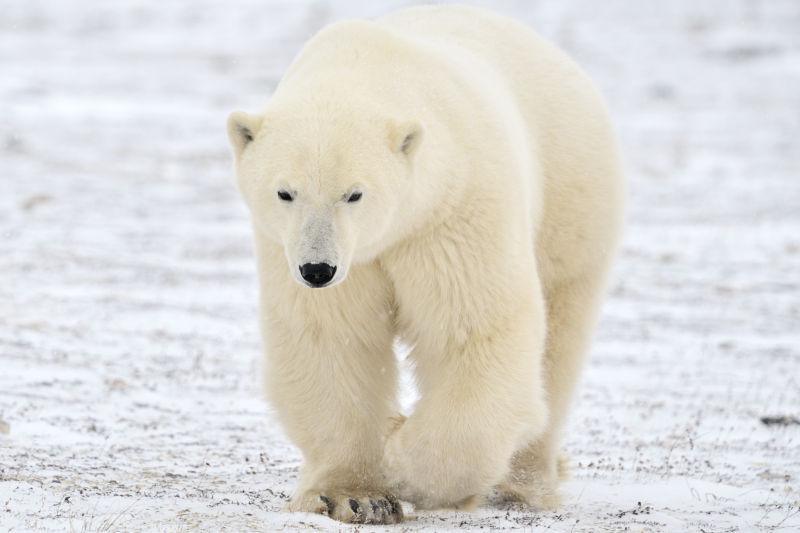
(242, 129)
(405, 137)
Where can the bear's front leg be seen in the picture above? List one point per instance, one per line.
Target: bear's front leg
(480, 400)
(472, 307)
(331, 377)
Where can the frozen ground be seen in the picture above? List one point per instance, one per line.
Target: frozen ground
(129, 352)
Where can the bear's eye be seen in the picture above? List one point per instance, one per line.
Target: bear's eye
(354, 197)
(285, 196)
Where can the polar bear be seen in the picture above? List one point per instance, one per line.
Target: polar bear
(448, 178)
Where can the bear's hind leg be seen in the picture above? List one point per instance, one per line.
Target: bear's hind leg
(571, 315)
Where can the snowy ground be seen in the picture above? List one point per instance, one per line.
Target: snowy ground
(129, 352)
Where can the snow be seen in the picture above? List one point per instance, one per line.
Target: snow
(129, 351)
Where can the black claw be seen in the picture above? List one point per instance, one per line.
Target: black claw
(353, 505)
(328, 503)
(375, 506)
(397, 509)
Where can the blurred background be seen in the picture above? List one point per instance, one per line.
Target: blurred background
(129, 349)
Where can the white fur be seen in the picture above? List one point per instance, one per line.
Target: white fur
(491, 208)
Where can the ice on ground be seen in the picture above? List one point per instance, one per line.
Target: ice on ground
(129, 351)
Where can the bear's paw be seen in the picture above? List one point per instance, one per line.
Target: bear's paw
(352, 508)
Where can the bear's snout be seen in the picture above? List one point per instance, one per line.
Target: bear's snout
(317, 274)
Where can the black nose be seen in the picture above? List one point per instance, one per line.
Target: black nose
(317, 274)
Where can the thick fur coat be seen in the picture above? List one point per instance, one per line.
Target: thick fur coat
(451, 179)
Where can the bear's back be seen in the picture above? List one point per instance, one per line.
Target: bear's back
(570, 132)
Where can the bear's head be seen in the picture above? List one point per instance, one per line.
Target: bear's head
(323, 185)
